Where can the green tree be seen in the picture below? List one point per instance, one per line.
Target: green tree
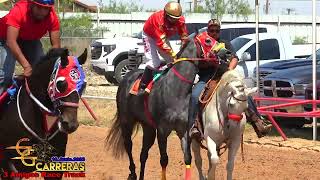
(6, 6)
(218, 8)
(64, 6)
(77, 26)
(121, 8)
(300, 40)
(201, 9)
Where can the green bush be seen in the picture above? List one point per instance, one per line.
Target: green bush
(300, 40)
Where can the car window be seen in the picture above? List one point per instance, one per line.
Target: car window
(137, 35)
(232, 33)
(191, 27)
(239, 43)
(268, 49)
(200, 31)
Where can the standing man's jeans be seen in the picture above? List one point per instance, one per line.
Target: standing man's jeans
(32, 50)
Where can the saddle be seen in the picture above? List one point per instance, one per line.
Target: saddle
(157, 74)
(204, 98)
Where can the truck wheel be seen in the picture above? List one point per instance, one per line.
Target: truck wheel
(122, 69)
(109, 77)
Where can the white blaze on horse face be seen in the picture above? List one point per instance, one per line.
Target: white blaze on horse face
(238, 99)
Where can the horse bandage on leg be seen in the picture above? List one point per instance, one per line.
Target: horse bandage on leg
(188, 172)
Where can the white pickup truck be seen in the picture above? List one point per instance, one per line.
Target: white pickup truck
(109, 57)
(273, 47)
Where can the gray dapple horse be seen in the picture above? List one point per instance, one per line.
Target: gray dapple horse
(223, 122)
(168, 104)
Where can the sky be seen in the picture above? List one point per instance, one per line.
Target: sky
(277, 7)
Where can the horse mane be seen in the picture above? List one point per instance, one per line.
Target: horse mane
(53, 53)
(229, 76)
(184, 46)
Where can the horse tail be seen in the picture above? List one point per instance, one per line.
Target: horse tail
(122, 128)
(115, 139)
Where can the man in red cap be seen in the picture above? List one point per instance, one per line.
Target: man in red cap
(157, 29)
(20, 33)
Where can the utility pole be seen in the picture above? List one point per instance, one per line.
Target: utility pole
(195, 5)
(267, 6)
(99, 4)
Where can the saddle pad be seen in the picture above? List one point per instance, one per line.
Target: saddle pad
(135, 87)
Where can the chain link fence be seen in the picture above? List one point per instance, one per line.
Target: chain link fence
(76, 40)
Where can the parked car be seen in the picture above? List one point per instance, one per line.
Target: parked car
(273, 47)
(308, 95)
(288, 79)
(110, 56)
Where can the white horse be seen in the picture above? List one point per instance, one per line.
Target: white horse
(224, 122)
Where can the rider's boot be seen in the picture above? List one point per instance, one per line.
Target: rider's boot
(259, 126)
(145, 80)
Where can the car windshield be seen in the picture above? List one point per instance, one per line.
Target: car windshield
(238, 43)
(317, 55)
(137, 35)
(191, 36)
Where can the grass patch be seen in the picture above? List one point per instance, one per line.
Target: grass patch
(103, 109)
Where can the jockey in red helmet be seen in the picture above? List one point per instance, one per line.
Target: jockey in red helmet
(20, 33)
(157, 29)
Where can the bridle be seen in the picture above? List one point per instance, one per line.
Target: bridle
(230, 116)
(235, 117)
(57, 103)
(192, 60)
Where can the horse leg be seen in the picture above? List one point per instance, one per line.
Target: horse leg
(127, 132)
(232, 152)
(197, 158)
(59, 142)
(6, 170)
(162, 142)
(149, 135)
(213, 159)
(185, 144)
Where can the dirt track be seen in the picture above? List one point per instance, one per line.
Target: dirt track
(261, 162)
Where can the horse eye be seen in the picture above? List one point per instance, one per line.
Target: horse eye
(61, 84)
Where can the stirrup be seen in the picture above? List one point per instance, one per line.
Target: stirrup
(194, 133)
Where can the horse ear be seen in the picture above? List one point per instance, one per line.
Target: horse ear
(83, 57)
(64, 58)
(250, 91)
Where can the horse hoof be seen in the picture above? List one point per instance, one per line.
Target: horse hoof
(132, 177)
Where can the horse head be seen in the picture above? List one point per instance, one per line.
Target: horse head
(58, 82)
(234, 95)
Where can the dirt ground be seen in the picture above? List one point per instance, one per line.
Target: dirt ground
(268, 161)
(266, 158)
